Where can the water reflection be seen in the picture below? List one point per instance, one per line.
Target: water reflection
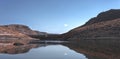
(84, 49)
(97, 49)
(40, 51)
(12, 49)
(6, 48)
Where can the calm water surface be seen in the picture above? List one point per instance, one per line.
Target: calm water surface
(41, 52)
(85, 49)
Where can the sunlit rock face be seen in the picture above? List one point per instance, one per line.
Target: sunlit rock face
(8, 32)
(24, 29)
(105, 25)
(15, 33)
(21, 29)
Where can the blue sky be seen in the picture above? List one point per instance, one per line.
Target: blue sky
(52, 16)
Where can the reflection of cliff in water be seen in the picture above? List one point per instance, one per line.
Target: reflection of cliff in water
(98, 49)
(93, 49)
(7, 48)
(12, 49)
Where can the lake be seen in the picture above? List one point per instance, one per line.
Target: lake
(40, 51)
(85, 49)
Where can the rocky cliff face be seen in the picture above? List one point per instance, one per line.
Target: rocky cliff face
(105, 25)
(15, 33)
(24, 29)
(4, 31)
(105, 16)
(21, 28)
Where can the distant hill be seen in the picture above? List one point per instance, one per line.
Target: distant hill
(16, 33)
(105, 25)
(105, 16)
(21, 28)
(7, 31)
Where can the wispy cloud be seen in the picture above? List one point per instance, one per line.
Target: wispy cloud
(65, 25)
